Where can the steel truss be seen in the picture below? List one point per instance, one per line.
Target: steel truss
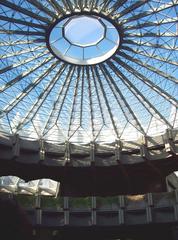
(133, 93)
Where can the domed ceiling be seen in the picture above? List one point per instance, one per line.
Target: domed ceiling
(88, 70)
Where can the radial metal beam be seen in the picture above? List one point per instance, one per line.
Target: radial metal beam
(122, 102)
(22, 42)
(10, 67)
(86, 5)
(68, 5)
(148, 106)
(22, 22)
(105, 5)
(82, 96)
(55, 10)
(98, 96)
(150, 34)
(149, 67)
(31, 113)
(60, 105)
(131, 8)
(152, 24)
(147, 44)
(57, 6)
(47, 126)
(28, 89)
(18, 8)
(94, 4)
(152, 11)
(24, 51)
(5, 69)
(80, 4)
(74, 98)
(76, 4)
(20, 32)
(26, 73)
(150, 55)
(42, 8)
(98, 79)
(57, 102)
(116, 6)
(149, 83)
(88, 78)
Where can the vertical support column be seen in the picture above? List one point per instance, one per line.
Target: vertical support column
(67, 152)
(149, 215)
(38, 210)
(118, 158)
(92, 152)
(143, 149)
(118, 148)
(121, 210)
(42, 150)
(93, 213)
(66, 210)
(16, 146)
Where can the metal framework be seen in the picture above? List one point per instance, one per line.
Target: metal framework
(131, 94)
(96, 126)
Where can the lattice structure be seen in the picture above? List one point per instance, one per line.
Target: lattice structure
(95, 115)
(133, 93)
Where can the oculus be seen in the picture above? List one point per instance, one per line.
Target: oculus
(84, 40)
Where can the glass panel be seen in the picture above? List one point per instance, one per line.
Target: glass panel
(55, 35)
(112, 35)
(61, 46)
(92, 52)
(106, 45)
(84, 31)
(75, 52)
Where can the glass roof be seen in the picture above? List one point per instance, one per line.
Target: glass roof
(84, 40)
(132, 93)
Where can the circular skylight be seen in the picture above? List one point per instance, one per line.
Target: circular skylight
(84, 31)
(84, 40)
(60, 86)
